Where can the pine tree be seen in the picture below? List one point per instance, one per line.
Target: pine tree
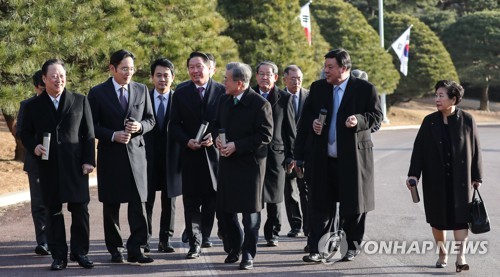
(428, 59)
(271, 30)
(345, 27)
(474, 52)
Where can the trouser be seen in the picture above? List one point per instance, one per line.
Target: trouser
(38, 210)
(56, 231)
(167, 216)
(137, 221)
(242, 240)
(296, 203)
(272, 227)
(193, 207)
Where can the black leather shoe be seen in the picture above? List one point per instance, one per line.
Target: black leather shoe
(184, 236)
(58, 264)
(42, 249)
(206, 243)
(246, 264)
(117, 257)
(83, 260)
(165, 247)
(350, 255)
(312, 258)
(142, 259)
(194, 252)
(232, 257)
(294, 233)
(147, 248)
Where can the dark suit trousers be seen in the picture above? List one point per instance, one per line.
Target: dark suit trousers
(296, 201)
(321, 222)
(38, 210)
(272, 227)
(242, 240)
(56, 231)
(354, 228)
(194, 205)
(167, 217)
(137, 221)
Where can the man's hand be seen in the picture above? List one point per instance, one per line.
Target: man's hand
(351, 121)
(87, 169)
(40, 150)
(408, 181)
(133, 126)
(122, 137)
(317, 126)
(207, 140)
(228, 150)
(193, 145)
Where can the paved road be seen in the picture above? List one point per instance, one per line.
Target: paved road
(396, 220)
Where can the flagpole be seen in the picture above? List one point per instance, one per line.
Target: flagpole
(383, 101)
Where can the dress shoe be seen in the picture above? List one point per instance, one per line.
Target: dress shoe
(246, 264)
(194, 252)
(460, 267)
(117, 257)
(184, 236)
(206, 243)
(232, 257)
(42, 249)
(165, 247)
(350, 255)
(312, 258)
(147, 248)
(294, 233)
(83, 260)
(58, 264)
(272, 242)
(142, 259)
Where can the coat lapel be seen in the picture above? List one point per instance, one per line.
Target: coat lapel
(274, 96)
(69, 99)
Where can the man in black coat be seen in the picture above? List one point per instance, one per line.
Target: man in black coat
(65, 162)
(162, 153)
(338, 155)
(246, 118)
(296, 188)
(122, 114)
(279, 149)
(38, 211)
(192, 104)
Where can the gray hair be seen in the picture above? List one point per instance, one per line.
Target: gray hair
(241, 72)
(270, 63)
(360, 74)
(291, 67)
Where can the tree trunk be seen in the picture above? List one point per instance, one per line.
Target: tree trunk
(11, 124)
(484, 104)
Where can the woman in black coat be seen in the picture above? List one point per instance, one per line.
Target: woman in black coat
(447, 154)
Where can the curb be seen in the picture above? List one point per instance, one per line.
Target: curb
(24, 196)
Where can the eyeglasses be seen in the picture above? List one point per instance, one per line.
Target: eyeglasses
(126, 69)
(268, 75)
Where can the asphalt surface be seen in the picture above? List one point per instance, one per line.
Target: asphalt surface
(396, 232)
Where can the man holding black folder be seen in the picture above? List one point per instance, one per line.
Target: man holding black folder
(193, 104)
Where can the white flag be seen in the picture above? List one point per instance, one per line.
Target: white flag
(402, 48)
(305, 20)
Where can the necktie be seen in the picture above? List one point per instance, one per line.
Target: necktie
(295, 105)
(160, 113)
(200, 92)
(123, 99)
(56, 104)
(235, 100)
(265, 95)
(333, 125)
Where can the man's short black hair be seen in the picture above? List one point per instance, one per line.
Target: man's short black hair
(117, 57)
(37, 79)
(162, 62)
(45, 66)
(203, 56)
(341, 56)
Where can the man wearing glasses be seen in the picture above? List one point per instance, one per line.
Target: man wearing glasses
(122, 114)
